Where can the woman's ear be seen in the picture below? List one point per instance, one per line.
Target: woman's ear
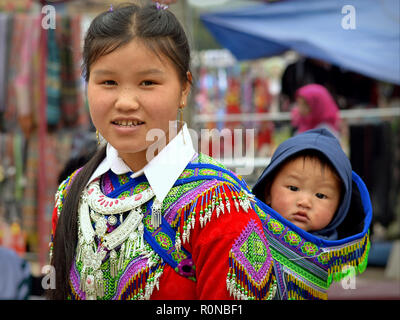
(189, 77)
(186, 88)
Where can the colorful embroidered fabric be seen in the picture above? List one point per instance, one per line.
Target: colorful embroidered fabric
(214, 216)
(198, 209)
(250, 266)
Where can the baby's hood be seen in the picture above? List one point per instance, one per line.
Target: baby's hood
(326, 143)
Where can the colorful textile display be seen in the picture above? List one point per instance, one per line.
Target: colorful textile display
(29, 221)
(3, 59)
(24, 46)
(53, 80)
(208, 214)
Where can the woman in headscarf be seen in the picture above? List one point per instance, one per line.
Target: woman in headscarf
(315, 109)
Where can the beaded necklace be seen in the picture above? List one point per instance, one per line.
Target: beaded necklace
(128, 235)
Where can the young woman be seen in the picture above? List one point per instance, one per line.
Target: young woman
(147, 219)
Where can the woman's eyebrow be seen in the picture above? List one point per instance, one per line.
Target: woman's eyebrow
(103, 71)
(140, 73)
(149, 71)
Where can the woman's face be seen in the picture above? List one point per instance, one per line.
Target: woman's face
(304, 108)
(130, 92)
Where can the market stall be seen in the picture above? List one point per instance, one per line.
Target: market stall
(353, 50)
(362, 37)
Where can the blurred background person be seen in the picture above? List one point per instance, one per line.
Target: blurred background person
(15, 276)
(315, 108)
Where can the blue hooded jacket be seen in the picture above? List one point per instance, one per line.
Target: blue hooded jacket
(325, 142)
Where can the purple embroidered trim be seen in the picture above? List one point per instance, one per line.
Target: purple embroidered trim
(170, 213)
(133, 268)
(106, 184)
(245, 236)
(75, 280)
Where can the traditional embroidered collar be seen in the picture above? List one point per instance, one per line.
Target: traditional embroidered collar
(162, 171)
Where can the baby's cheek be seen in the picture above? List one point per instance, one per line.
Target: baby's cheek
(323, 218)
(282, 205)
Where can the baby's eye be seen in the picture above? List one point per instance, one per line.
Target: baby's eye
(109, 83)
(321, 196)
(293, 188)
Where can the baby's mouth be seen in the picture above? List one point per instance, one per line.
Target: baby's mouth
(300, 216)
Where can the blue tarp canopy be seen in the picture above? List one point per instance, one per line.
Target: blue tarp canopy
(363, 37)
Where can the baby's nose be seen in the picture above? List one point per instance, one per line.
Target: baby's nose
(304, 201)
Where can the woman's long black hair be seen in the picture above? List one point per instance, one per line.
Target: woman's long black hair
(161, 32)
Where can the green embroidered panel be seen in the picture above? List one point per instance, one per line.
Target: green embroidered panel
(254, 251)
(202, 158)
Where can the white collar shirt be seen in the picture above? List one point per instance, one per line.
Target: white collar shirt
(164, 168)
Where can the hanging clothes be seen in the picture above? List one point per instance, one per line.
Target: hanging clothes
(53, 80)
(77, 25)
(4, 20)
(25, 77)
(15, 45)
(68, 95)
(29, 208)
(23, 46)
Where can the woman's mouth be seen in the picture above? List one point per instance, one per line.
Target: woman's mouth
(127, 123)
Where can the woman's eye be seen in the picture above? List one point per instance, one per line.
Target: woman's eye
(321, 196)
(147, 83)
(293, 188)
(109, 83)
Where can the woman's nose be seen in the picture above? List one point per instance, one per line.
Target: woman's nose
(127, 100)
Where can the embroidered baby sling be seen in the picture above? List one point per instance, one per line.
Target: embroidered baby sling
(303, 266)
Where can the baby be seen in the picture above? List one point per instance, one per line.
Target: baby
(309, 183)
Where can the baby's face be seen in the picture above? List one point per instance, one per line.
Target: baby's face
(305, 193)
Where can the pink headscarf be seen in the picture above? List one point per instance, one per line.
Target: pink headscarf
(324, 110)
